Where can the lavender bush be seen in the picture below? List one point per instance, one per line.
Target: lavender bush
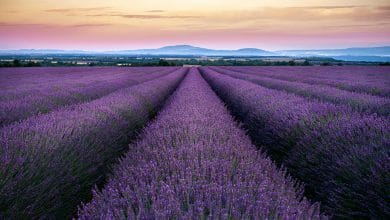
(50, 162)
(193, 162)
(347, 164)
(357, 101)
(341, 155)
(372, 80)
(21, 82)
(36, 98)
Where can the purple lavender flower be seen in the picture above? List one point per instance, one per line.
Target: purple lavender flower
(341, 155)
(50, 162)
(372, 80)
(357, 101)
(30, 91)
(194, 162)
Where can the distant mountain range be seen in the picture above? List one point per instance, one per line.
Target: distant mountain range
(191, 50)
(381, 54)
(378, 54)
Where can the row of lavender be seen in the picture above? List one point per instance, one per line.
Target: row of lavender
(20, 82)
(357, 101)
(194, 162)
(341, 155)
(23, 79)
(48, 95)
(50, 162)
(363, 79)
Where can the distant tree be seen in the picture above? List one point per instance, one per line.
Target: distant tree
(306, 63)
(16, 63)
(326, 64)
(163, 62)
(291, 63)
(32, 64)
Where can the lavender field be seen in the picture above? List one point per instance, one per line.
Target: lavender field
(195, 143)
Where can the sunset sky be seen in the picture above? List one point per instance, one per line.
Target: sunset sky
(229, 24)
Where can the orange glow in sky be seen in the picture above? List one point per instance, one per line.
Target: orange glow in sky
(228, 24)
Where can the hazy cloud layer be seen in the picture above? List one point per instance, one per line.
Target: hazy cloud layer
(309, 13)
(89, 25)
(327, 7)
(155, 11)
(75, 10)
(32, 25)
(109, 12)
(142, 16)
(7, 24)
